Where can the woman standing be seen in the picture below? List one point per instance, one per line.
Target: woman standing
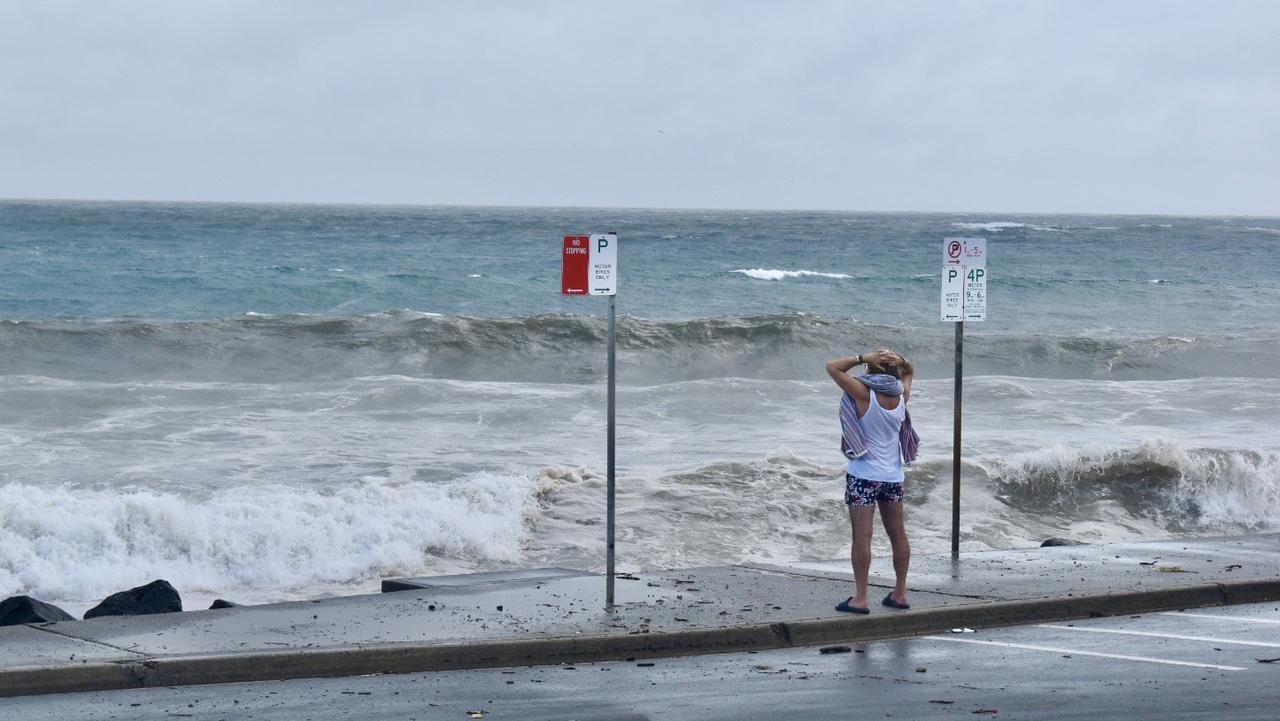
(876, 439)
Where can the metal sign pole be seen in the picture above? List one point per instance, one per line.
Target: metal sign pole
(591, 268)
(613, 362)
(955, 446)
(964, 296)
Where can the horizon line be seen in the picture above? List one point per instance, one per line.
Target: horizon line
(309, 203)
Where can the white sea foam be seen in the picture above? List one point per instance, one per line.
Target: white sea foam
(770, 274)
(1000, 226)
(1264, 230)
(73, 544)
(994, 227)
(410, 313)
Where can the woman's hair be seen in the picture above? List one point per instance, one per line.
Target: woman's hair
(897, 368)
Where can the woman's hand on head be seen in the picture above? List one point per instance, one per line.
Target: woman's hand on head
(880, 357)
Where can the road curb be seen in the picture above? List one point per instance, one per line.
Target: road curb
(411, 658)
(72, 678)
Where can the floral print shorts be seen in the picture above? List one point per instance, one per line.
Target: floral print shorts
(861, 492)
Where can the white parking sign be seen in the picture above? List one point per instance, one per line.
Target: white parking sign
(975, 293)
(603, 272)
(953, 293)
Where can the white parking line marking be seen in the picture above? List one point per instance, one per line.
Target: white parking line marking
(1217, 617)
(1159, 635)
(1073, 652)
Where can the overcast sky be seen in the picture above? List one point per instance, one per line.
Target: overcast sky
(1131, 107)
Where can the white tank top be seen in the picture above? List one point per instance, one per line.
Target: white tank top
(883, 459)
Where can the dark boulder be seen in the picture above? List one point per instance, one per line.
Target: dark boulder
(220, 603)
(25, 609)
(155, 597)
(1061, 542)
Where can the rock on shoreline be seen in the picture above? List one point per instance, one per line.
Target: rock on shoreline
(25, 609)
(155, 597)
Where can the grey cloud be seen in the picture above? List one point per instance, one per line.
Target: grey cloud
(1036, 106)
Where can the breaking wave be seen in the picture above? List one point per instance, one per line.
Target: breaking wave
(570, 348)
(1183, 489)
(784, 508)
(81, 544)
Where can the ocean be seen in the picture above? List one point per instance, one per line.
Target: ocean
(268, 402)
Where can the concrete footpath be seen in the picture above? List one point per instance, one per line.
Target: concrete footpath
(556, 615)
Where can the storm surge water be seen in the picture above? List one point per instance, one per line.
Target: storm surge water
(270, 402)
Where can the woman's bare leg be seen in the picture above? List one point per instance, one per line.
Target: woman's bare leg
(893, 516)
(861, 523)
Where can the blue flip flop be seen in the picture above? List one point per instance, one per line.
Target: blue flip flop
(888, 601)
(844, 606)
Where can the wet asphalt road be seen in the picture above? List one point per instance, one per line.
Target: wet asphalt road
(1204, 664)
